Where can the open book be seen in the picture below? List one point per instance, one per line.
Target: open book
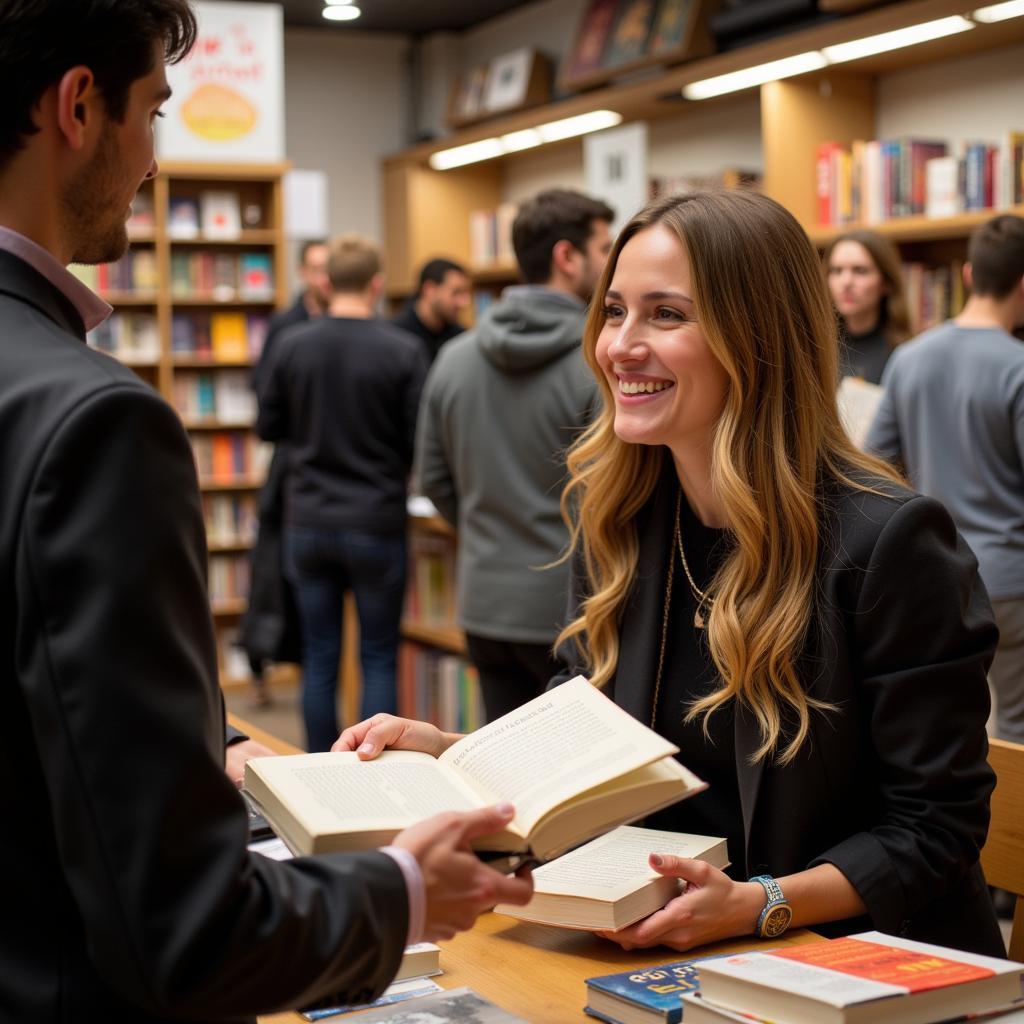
(607, 883)
(573, 763)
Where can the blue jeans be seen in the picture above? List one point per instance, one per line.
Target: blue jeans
(321, 565)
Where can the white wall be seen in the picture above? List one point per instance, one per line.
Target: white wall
(345, 109)
(977, 97)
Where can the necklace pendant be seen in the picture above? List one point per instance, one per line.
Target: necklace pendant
(698, 618)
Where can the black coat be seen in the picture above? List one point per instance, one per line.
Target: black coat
(129, 895)
(893, 789)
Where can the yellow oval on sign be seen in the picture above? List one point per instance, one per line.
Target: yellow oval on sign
(218, 113)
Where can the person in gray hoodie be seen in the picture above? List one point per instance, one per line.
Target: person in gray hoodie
(501, 404)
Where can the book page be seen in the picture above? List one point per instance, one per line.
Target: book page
(553, 747)
(615, 864)
(858, 401)
(336, 792)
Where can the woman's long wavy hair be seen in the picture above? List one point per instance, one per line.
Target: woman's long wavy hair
(763, 305)
(894, 312)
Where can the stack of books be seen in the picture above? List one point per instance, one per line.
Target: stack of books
(868, 978)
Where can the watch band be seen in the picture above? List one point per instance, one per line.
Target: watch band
(775, 917)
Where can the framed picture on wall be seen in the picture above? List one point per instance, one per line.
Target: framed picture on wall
(511, 81)
(508, 79)
(618, 36)
(628, 41)
(587, 53)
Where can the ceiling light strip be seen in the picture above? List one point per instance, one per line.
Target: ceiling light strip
(515, 142)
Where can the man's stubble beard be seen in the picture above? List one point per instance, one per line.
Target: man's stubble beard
(97, 230)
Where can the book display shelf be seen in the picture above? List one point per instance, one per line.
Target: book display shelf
(430, 211)
(192, 299)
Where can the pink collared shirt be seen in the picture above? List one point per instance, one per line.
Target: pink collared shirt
(91, 308)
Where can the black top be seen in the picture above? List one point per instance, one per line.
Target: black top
(433, 340)
(344, 394)
(891, 787)
(688, 674)
(296, 313)
(865, 355)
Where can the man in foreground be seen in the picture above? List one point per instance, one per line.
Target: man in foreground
(131, 894)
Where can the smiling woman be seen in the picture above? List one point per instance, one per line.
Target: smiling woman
(748, 582)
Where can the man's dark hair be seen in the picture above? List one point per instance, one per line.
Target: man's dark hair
(40, 40)
(996, 255)
(435, 271)
(311, 243)
(545, 220)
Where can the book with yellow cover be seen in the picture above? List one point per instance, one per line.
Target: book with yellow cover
(229, 339)
(572, 762)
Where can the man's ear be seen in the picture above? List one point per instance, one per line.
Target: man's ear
(77, 99)
(968, 276)
(562, 257)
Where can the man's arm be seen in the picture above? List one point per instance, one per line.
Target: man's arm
(432, 471)
(883, 436)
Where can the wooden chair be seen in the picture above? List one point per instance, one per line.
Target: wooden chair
(1003, 855)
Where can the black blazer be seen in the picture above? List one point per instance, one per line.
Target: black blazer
(893, 788)
(128, 893)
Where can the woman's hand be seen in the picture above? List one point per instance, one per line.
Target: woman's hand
(373, 735)
(711, 906)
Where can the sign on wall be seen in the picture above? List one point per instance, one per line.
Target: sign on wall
(228, 99)
(615, 168)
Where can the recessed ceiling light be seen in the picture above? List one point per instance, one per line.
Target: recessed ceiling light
(341, 12)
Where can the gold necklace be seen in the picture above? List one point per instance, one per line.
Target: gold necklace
(700, 596)
(698, 617)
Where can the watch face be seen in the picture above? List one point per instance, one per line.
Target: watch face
(777, 921)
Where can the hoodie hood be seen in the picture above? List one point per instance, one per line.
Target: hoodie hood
(529, 327)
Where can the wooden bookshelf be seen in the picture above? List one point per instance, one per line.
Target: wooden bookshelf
(427, 212)
(258, 186)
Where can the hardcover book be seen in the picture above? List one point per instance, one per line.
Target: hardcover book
(572, 762)
(647, 995)
(869, 978)
(607, 883)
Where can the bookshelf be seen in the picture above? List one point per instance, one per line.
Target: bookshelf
(428, 211)
(190, 314)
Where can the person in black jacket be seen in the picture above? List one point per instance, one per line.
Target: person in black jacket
(130, 895)
(811, 634)
(343, 394)
(432, 314)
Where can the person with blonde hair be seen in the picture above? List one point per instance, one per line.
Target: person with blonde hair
(811, 634)
(865, 279)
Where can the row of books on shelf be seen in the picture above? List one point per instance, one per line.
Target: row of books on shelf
(874, 181)
(490, 236)
(222, 276)
(230, 519)
(933, 293)
(229, 577)
(225, 396)
(213, 214)
(439, 688)
(135, 271)
(730, 177)
(430, 597)
(133, 337)
(229, 456)
(225, 336)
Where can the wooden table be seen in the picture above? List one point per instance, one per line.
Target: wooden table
(531, 970)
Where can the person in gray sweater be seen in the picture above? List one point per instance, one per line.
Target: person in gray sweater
(501, 404)
(953, 416)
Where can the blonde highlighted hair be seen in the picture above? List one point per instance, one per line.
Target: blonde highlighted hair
(763, 306)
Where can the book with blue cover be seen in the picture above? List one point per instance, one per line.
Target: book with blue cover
(648, 995)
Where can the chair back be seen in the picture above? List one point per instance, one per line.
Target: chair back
(1003, 856)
